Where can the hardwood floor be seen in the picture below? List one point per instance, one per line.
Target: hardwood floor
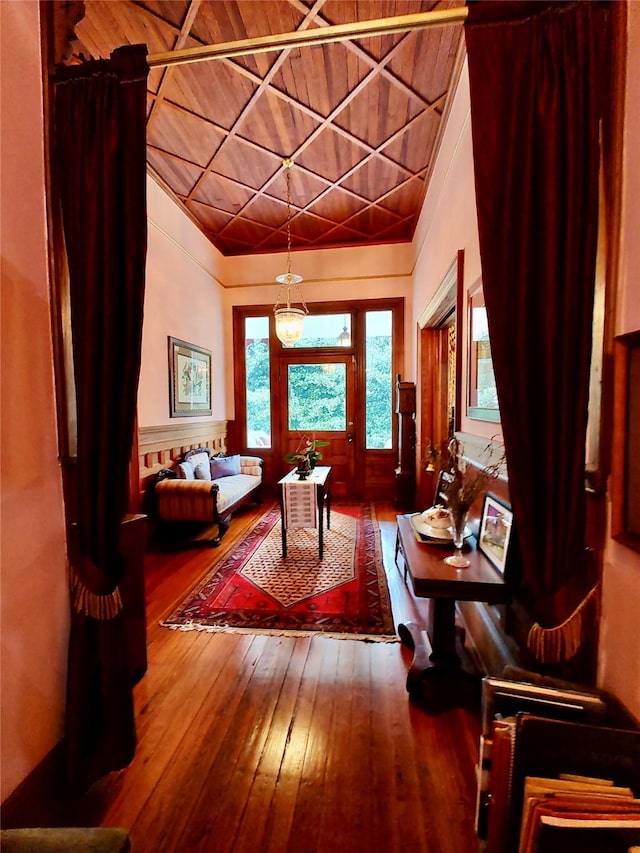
(289, 745)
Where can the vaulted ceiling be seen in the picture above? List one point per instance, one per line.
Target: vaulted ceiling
(361, 118)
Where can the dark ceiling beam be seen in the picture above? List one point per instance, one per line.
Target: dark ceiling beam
(319, 35)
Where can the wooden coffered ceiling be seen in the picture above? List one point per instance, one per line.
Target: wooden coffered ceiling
(361, 118)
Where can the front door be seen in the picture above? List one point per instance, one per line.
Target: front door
(317, 400)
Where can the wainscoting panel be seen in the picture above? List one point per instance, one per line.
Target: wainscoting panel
(161, 446)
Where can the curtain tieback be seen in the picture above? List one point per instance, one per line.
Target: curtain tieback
(551, 645)
(100, 607)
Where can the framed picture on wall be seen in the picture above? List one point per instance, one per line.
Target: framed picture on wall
(495, 531)
(189, 379)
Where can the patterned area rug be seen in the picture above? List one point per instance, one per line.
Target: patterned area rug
(254, 589)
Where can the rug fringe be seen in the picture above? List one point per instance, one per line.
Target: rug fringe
(279, 632)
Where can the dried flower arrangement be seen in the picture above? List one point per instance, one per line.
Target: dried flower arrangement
(464, 481)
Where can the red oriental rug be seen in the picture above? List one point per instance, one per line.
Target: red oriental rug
(255, 590)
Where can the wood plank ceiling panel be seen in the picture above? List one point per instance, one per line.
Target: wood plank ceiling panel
(361, 119)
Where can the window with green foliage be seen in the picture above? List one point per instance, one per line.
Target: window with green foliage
(326, 330)
(258, 386)
(378, 379)
(317, 397)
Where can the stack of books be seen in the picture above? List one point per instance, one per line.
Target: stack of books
(559, 812)
(547, 785)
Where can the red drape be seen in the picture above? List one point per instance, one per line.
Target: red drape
(100, 126)
(538, 79)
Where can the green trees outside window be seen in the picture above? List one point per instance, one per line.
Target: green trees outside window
(258, 385)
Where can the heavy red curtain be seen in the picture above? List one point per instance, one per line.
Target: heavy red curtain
(539, 74)
(100, 148)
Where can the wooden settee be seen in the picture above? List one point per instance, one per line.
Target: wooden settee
(186, 494)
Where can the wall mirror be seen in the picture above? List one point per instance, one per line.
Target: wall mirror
(482, 397)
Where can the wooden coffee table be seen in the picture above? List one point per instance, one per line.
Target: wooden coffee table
(432, 578)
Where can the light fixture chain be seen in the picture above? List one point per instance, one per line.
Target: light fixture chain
(288, 164)
(289, 320)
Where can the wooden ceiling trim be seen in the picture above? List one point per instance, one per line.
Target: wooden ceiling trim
(183, 35)
(179, 132)
(371, 61)
(373, 152)
(323, 124)
(328, 122)
(363, 119)
(262, 86)
(377, 69)
(318, 35)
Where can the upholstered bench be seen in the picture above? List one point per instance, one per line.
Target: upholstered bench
(207, 489)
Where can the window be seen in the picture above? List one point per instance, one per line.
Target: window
(258, 386)
(326, 330)
(317, 397)
(378, 379)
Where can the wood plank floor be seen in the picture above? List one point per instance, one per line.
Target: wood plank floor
(288, 745)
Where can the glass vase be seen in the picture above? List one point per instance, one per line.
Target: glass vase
(458, 523)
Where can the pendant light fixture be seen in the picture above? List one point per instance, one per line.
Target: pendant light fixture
(344, 338)
(289, 319)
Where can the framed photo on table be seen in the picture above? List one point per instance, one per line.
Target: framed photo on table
(495, 531)
(189, 379)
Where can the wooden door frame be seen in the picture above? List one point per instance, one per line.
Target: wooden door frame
(384, 460)
(297, 356)
(432, 427)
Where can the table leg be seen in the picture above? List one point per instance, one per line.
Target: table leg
(442, 631)
(282, 525)
(400, 550)
(320, 538)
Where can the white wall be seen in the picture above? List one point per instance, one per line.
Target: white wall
(35, 599)
(183, 299)
(448, 223)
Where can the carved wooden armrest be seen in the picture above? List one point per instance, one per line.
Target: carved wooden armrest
(187, 500)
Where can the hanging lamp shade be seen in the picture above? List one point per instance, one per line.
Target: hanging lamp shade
(289, 318)
(344, 338)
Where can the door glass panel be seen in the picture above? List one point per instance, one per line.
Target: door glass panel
(258, 387)
(317, 397)
(378, 379)
(326, 330)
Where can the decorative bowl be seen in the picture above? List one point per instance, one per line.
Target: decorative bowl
(437, 517)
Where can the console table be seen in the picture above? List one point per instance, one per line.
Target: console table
(317, 485)
(432, 578)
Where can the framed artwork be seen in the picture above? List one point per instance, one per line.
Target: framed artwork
(189, 379)
(495, 531)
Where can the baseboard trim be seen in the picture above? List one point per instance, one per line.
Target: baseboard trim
(38, 798)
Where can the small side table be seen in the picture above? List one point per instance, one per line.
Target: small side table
(432, 578)
(320, 477)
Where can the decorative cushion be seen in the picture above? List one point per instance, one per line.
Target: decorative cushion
(202, 471)
(251, 465)
(196, 458)
(224, 466)
(185, 471)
